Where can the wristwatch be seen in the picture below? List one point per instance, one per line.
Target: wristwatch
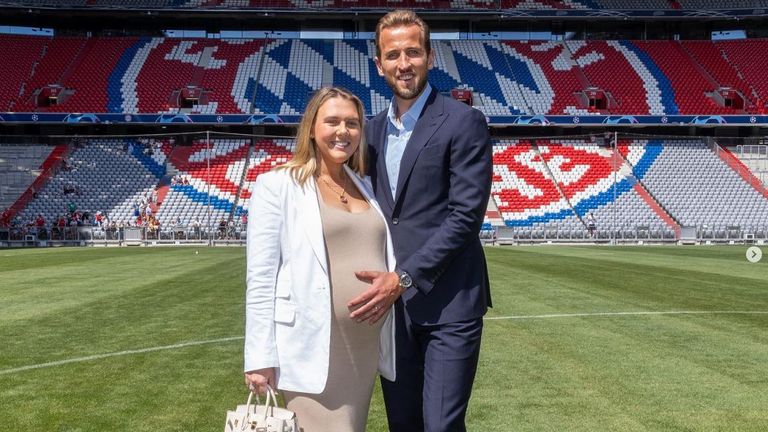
(405, 279)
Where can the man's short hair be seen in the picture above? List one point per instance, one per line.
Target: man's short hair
(402, 18)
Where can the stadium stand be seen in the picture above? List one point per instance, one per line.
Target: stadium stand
(192, 199)
(709, 55)
(56, 58)
(742, 57)
(103, 175)
(714, 4)
(691, 87)
(116, 176)
(20, 165)
(701, 190)
(411, 4)
(543, 188)
(546, 188)
(24, 50)
(128, 75)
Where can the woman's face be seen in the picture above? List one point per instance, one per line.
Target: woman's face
(337, 131)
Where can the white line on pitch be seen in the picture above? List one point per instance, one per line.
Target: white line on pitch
(116, 354)
(212, 341)
(520, 317)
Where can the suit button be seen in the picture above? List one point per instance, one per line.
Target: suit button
(395, 221)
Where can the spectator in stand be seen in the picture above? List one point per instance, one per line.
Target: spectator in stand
(153, 225)
(591, 225)
(179, 227)
(31, 225)
(40, 222)
(112, 230)
(196, 227)
(5, 220)
(231, 229)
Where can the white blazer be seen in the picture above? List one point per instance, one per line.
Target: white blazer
(288, 298)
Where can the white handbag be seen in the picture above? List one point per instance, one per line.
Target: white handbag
(261, 418)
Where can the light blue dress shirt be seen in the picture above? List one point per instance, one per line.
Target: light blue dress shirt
(398, 134)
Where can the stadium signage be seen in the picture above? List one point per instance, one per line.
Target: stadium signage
(518, 120)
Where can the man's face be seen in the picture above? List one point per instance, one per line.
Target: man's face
(404, 61)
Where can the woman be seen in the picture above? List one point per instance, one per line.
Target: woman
(312, 223)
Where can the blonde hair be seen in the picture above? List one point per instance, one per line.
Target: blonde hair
(304, 163)
(402, 18)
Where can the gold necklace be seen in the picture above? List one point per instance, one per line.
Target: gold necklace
(342, 198)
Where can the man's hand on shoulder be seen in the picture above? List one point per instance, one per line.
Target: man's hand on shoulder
(376, 301)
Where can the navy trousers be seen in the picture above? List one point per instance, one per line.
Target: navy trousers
(436, 367)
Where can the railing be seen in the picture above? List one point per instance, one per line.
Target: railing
(126, 236)
(236, 236)
(637, 234)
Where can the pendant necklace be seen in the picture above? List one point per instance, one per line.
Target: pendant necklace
(342, 198)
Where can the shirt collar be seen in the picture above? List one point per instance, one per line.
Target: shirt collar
(409, 118)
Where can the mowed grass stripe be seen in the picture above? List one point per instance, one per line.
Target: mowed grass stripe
(146, 305)
(726, 260)
(619, 373)
(536, 281)
(239, 338)
(627, 371)
(185, 389)
(82, 277)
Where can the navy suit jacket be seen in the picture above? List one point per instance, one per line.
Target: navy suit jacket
(442, 193)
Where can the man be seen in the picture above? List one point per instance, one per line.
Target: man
(431, 172)
(591, 224)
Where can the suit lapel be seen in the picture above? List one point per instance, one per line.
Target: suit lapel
(425, 127)
(309, 213)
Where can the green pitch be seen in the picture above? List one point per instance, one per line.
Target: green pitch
(579, 339)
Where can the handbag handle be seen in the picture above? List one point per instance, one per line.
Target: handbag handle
(271, 395)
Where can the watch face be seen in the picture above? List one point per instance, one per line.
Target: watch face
(405, 280)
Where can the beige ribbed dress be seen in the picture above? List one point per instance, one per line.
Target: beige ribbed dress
(354, 241)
